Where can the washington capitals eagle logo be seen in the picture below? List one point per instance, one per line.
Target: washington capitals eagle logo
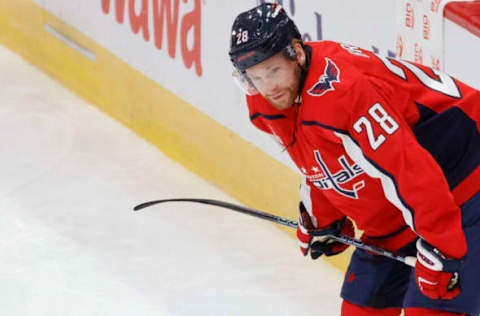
(325, 83)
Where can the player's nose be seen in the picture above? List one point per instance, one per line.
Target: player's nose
(272, 87)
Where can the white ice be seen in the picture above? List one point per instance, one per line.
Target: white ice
(71, 244)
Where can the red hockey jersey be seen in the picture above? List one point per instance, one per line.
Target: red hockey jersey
(393, 145)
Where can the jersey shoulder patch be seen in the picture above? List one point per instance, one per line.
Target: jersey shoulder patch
(325, 82)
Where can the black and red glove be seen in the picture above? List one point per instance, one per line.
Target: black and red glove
(436, 276)
(316, 241)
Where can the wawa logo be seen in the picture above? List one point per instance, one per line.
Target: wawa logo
(436, 63)
(418, 53)
(400, 46)
(325, 179)
(426, 27)
(164, 12)
(435, 5)
(409, 16)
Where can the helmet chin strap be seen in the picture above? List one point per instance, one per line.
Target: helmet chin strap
(301, 80)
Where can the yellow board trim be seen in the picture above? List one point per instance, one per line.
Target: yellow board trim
(182, 132)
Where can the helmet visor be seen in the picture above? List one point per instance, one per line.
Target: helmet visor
(244, 83)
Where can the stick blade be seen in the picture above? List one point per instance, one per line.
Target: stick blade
(203, 201)
(150, 203)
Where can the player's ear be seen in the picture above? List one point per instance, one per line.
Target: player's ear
(301, 57)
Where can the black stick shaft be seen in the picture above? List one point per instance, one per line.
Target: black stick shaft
(286, 222)
(237, 208)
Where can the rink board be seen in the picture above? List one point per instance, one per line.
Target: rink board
(181, 131)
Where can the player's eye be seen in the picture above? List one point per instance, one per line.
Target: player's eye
(273, 72)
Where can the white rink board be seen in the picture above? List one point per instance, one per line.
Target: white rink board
(369, 24)
(462, 51)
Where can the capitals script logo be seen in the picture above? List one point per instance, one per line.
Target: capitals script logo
(336, 180)
(325, 83)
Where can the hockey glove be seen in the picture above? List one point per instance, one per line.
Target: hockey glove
(316, 241)
(436, 276)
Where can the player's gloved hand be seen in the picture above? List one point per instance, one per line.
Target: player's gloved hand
(315, 241)
(436, 276)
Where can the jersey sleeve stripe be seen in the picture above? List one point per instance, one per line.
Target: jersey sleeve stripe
(395, 233)
(268, 117)
(313, 123)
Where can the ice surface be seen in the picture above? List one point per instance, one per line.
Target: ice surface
(71, 244)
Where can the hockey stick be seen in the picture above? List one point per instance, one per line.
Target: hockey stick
(289, 223)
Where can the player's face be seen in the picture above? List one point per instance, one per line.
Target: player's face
(277, 79)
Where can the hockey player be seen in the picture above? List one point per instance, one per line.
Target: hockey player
(392, 145)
